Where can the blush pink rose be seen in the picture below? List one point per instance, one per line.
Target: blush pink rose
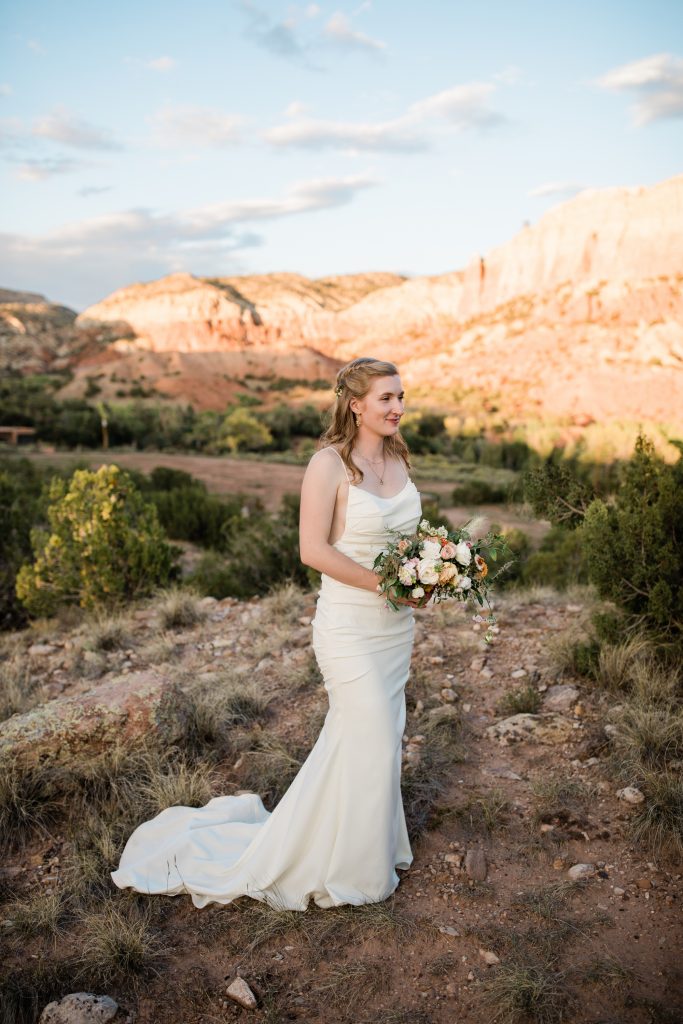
(448, 550)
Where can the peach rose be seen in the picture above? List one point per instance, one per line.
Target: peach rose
(448, 573)
(448, 550)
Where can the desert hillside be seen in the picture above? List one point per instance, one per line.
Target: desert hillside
(579, 316)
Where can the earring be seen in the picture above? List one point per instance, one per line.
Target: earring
(358, 416)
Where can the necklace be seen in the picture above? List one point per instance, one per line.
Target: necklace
(370, 461)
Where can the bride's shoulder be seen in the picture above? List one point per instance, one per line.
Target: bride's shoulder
(323, 465)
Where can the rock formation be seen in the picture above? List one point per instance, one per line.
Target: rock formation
(578, 316)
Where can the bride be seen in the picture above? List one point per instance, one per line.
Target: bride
(339, 832)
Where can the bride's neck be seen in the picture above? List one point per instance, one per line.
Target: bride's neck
(370, 448)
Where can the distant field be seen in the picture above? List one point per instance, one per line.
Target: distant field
(270, 480)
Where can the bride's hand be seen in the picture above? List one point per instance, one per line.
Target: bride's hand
(414, 602)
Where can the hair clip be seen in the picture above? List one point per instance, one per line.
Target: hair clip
(338, 390)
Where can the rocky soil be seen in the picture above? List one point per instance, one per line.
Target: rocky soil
(529, 808)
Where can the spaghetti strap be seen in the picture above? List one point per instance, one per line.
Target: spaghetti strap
(340, 459)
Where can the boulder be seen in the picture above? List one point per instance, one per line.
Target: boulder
(80, 1008)
(560, 698)
(548, 728)
(126, 709)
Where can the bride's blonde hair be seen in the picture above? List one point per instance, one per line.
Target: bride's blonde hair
(354, 381)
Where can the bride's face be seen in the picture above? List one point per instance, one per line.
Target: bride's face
(382, 408)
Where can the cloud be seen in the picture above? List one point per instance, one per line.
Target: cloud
(42, 168)
(390, 136)
(36, 46)
(656, 82)
(462, 106)
(198, 126)
(295, 108)
(6, 89)
(339, 31)
(161, 64)
(508, 75)
(153, 64)
(277, 37)
(93, 190)
(565, 189)
(62, 126)
(81, 261)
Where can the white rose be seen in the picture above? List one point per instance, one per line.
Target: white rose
(430, 549)
(406, 575)
(463, 553)
(427, 571)
(417, 592)
(464, 583)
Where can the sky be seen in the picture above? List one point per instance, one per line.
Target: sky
(239, 137)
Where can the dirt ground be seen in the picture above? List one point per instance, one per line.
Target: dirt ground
(623, 923)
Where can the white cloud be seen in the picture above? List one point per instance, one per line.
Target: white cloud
(42, 168)
(656, 82)
(295, 108)
(36, 46)
(339, 30)
(65, 127)
(566, 189)
(312, 11)
(154, 63)
(101, 253)
(161, 64)
(390, 136)
(277, 37)
(6, 89)
(508, 75)
(93, 190)
(197, 126)
(462, 106)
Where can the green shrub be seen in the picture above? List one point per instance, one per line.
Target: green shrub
(630, 545)
(478, 492)
(104, 544)
(558, 562)
(635, 545)
(242, 431)
(259, 552)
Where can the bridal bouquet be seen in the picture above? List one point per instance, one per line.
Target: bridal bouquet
(435, 564)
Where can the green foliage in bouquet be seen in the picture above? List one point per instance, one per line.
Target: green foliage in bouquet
(434, 564)
(104, 545)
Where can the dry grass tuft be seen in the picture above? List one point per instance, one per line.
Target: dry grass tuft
(527, 989)
(178, 607)
(107, 632)
(119, 943)
(553, 794)
(520, 700)
(40, 913)
(616, 662)
(20, 687)
(347, 985)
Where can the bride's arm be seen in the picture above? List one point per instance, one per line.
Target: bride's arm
(318, 496)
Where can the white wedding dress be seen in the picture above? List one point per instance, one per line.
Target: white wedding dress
(339, 832)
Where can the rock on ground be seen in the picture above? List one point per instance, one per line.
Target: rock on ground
(125, 710)
(80, 1008)
(542, 728)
